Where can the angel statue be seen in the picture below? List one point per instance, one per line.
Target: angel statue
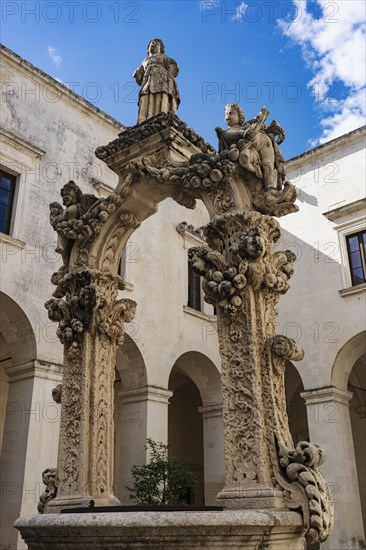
(76, 204)
(259, 149)
(156, 76)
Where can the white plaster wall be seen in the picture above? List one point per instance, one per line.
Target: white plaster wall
(313, 311)
(157, 268)
(35, 110)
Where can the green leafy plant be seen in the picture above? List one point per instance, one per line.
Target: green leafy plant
(164, 480)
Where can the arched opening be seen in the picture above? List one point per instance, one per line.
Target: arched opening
(131, 365)
(346, 359)
(296, 408)
(357, 385)
(195, 430)
(18, 351)
(185, 429)
(130, 415)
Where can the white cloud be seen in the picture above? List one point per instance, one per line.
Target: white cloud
(209, 5)
(55, 57)
(240, 12)
(333, 46)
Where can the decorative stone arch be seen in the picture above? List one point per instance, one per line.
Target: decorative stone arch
(242, 275)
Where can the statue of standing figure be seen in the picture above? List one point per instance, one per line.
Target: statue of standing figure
(156, 76)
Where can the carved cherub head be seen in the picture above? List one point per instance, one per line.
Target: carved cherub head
(234, 115)
(288, 267)
(252, 244)
(155, 46)
(70, 193)
(197, 257)
(57, 393)
(130, 310)
(55, 209)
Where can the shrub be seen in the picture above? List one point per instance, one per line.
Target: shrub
(164, 480)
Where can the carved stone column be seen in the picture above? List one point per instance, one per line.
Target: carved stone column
(244, 278)
(91, 325)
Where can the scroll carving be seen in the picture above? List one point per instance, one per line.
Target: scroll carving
(305, 487)
(49, 478)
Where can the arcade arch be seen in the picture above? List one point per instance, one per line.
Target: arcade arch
(17, 359)
(357, 386)
(296, 408)
(131, 397)
(195, 426)
(349, 354)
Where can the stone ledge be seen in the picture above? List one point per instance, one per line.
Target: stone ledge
(235, 529)
(350, 291)
(8, 239)
(200, 314)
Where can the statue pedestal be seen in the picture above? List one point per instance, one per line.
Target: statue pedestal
(234, 529)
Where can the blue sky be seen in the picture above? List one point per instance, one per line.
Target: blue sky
(303, 59)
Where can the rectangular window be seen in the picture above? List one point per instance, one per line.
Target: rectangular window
(7, 188)
(194, 289)
(356, 246)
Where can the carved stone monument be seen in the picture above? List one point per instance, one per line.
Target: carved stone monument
(278, 494)
(156, 76)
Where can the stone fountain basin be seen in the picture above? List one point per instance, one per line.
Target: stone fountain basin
(164, 530)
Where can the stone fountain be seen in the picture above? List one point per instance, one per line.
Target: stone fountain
(274, 496)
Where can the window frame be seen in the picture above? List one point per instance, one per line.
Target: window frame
(345, 230)
(194, 289)
(361, 238)
(8, 230)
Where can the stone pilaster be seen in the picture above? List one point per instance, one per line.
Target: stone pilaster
(141, 413)
(213, 451)
(329, 422)
(30, 441)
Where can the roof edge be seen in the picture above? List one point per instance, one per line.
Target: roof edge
(323, 148)
(9, 54)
